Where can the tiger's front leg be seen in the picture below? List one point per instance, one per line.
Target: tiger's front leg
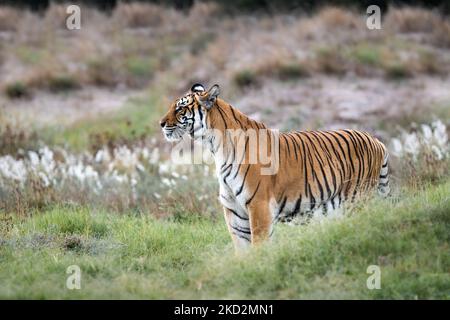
(239, 230)
(260, 221)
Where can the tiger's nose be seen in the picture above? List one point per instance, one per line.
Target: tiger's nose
(162, 123)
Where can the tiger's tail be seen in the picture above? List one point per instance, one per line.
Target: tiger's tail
(383, 183)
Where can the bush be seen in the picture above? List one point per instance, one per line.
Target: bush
(245, 78)
(397, 70)
(17, 90)
(330, 61)
(101, 73)
(63, 83)
(290, 71)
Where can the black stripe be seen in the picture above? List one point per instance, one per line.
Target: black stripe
(297, 206)
(223, 118)
(283, 204)
(321, 166)
(244, 230)
(243, 157)
(295, 145)
(357, 149)
(311, 162)
(225, 169)
(241, 236)
(234, 116)
(337, 156)
(287, 144)
(243, 182)
(234, 212)
(237, 215)
(226, 176)
(328, 158)
(254, 193)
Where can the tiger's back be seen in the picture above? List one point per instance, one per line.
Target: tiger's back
(319, 170)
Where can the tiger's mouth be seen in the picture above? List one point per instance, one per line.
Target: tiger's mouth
(173, 134)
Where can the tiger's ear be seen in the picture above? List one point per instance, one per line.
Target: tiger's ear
(197, 88)
(207, 100)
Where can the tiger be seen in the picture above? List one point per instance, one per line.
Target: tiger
(318, 171)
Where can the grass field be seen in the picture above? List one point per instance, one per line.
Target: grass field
(136, 256)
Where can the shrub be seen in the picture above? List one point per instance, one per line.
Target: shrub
(101, 73)
(430, 63)
(16, 90)
(397, 70)
(245, 78)
(63, 83)
(289, 71)
(330, 61)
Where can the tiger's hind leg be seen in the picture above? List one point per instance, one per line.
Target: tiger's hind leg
(239, 229)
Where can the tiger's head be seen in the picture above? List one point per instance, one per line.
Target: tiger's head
(188, 114)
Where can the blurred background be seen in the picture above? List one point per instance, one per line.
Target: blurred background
(79, 109)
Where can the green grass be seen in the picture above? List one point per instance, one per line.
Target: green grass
(367, 54)
(136, 256)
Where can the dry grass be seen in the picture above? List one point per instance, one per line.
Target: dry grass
(441, 35)
(139, 15)
(50, 78)
(55, 16)
(9, 19)
(142, 42)
(410, 19)
(334, 18)
(15, 137)
(329, 61)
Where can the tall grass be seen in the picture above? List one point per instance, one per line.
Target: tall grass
(136, 256)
